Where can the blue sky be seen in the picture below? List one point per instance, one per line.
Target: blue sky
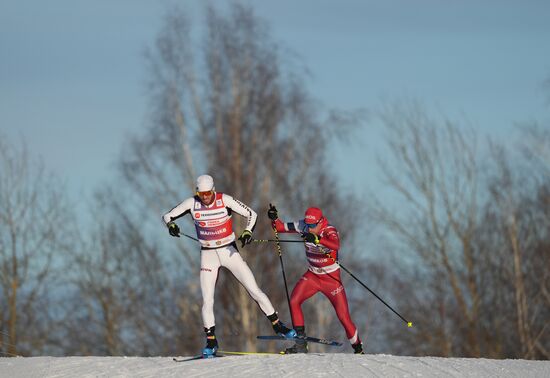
(72, 76)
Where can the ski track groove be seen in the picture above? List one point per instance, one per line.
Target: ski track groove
(371, 373)
(434, 366)
(339, 363)
(387, 366)
(489, 371)
(453, 365)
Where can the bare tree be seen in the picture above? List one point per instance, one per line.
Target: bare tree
(536, 149)
(124, 300)
(34, 220)
(435, 175)
(472, 261)
(520, 219)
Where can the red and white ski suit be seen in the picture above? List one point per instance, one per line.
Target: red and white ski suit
(323, 275)
(214, 228)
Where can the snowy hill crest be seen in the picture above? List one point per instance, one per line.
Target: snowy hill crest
(311, 365)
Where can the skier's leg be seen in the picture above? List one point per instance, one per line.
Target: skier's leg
(305, 288)
(232, 260)
(210, 265)
(334, 290)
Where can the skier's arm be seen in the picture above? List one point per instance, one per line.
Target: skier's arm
(241, 209)
(278, 225)
(331, 240)
(178, 211)
(289, 227)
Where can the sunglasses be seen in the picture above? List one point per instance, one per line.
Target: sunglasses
(312, 225)
(204, 194)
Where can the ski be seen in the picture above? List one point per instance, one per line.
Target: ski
(307, 338)
(197, 357)
(250, 353)
(281, 353)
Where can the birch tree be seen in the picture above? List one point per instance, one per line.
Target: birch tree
(34, 236)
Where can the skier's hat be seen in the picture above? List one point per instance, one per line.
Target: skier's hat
(313, 215)
(205, 183)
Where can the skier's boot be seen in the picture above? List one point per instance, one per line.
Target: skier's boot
(280, 328)
(358, 347)
(300, 346)
(211, 343)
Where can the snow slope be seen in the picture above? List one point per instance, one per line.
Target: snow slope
(311, 365)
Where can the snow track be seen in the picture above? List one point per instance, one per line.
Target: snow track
(311, 365)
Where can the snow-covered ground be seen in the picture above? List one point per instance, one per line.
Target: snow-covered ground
(311, 365)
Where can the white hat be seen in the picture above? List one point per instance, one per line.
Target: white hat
(205, 183)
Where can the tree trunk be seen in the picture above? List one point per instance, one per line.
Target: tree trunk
(12, 319)
(524, 331)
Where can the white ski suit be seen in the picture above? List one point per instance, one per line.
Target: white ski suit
(214, 228)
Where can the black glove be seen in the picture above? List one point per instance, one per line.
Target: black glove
(311, 238)
(173, 229)
(272, 212)
(245, 238)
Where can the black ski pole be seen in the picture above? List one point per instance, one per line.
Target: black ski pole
(189, 236)
(254, 240)
(276, 241)
(278, 244)
(409, 324)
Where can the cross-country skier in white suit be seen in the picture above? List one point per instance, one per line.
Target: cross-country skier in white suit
(212, 211)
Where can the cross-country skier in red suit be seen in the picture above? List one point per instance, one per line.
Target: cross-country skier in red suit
(212, 213)
(323, 275)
